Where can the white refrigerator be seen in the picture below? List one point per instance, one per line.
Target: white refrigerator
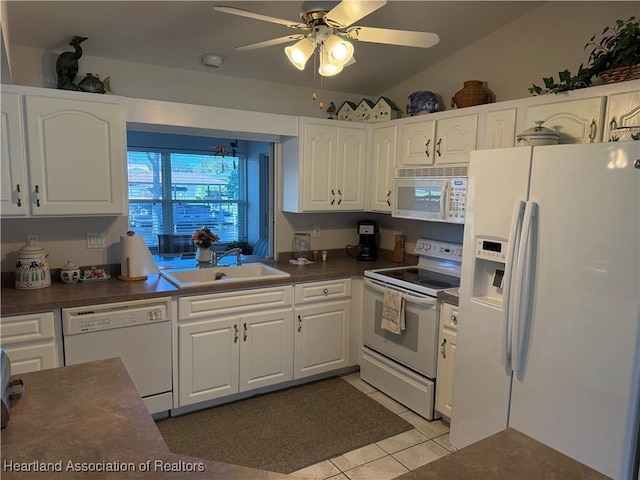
(548, 324)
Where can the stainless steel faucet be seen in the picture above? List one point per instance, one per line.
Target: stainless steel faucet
(215, 258)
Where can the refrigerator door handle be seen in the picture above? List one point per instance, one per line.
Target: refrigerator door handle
(522, 288)
(444, 199)
(512, 253)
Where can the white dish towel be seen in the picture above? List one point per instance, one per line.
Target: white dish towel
(393, 311)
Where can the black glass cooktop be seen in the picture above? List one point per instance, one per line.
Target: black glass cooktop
(424, 277)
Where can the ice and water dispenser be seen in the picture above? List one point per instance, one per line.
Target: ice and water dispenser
(488, 277)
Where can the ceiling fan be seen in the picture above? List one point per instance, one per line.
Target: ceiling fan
(328, 26)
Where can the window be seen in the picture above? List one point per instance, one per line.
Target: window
(176, 190)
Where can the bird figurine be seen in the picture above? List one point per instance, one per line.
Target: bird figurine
(67, 65)
(331, 110)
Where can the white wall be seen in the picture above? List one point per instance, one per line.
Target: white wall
(36, 67)
(543, 42)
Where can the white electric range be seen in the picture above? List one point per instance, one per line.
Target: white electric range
(404, 365)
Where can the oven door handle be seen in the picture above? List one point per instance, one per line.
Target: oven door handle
(409, 297)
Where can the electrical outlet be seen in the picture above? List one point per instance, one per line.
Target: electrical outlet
(32, 238)
(316, 231)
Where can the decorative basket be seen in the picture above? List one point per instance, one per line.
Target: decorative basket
(621, 74)
(472, 94)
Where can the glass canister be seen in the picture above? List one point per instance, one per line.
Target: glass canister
(32, 267)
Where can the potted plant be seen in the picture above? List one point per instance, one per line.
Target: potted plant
(615, 58)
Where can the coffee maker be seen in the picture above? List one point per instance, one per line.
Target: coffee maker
(368, 241)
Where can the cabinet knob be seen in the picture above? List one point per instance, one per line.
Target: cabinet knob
(388, 195)
(454, 319)
(443, 348)
(426, 147)
(333, 200)
(438, 147)
(37, 196)
(340, 199)
(235, 340)
(244, 338)
(18, 197)
(326, 292)
(299, 323)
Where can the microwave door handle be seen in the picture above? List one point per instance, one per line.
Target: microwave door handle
(444, 199)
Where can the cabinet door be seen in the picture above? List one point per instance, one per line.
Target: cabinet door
(76, 156)
(13, 177)
(499, 129)
(456, 137)
(30, 358)
(623, 110)
(266, 349)
(446, 361)
(417, 144)
(383, 161)
(575, 121)
(319, 167)
(446, 358)
(321, 338)
(350, 169)
(208, 359)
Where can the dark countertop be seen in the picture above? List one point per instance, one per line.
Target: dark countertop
(92, 413)
(63, 295)
(451, 296)
(506, 455)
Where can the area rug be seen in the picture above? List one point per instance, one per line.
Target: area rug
(284, 431)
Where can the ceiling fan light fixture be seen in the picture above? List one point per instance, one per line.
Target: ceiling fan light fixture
(340, 50)
(300, 52)
(327, 69)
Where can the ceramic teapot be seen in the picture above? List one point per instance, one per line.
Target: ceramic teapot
(32, 267)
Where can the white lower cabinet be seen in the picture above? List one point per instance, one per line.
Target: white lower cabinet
(322, 327)
(234, 342)
(446, 358)
(32, 342)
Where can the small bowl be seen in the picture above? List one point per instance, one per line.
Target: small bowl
(625, 134)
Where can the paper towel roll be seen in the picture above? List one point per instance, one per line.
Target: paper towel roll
(136, 257)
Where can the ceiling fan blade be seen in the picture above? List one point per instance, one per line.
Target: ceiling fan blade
(349, 11)
(269, 43)
(258, 16)
(393, 37)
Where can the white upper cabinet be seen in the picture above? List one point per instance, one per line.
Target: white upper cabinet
(446, 140)
(324, 168)
(497, 129)
(13, 163)
(575, 121)
(63, 153)
(623, 110)
(417, 143)
(383, 162)
(76, 156)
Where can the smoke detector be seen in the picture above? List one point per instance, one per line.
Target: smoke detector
(211, 60)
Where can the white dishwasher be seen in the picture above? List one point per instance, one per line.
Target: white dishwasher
(138, 332)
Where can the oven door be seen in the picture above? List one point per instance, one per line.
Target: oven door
(416, 346)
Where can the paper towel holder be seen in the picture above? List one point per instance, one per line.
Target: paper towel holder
(128, 278)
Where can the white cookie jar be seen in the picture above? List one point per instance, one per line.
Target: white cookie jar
(32, 267)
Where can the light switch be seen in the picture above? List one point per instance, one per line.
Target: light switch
(96, 240)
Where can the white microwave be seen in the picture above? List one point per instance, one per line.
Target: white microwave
(431, 193)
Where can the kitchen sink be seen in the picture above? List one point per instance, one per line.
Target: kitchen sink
(196, 277)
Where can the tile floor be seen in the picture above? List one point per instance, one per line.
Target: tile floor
(387, 458)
